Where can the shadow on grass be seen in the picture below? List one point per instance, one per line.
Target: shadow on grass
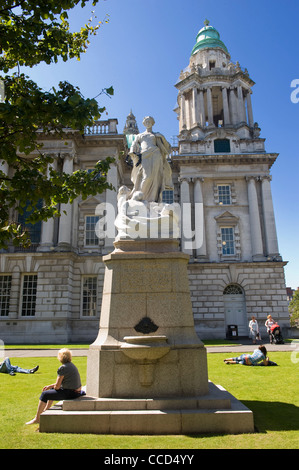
(268, 416)
(274, 416)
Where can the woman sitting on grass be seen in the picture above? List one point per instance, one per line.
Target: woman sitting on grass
(66, 387)
(253, 359)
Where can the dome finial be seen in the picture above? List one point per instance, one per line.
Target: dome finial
(208, 38)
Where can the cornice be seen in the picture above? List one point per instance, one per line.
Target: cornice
(241, 158)
(206, 78)
(239, 264)
(103, 140)
(100, 140)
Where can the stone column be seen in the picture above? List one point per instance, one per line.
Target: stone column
(241, 108)
(15, 292)
(182, 112)
(210, 108)
(269, 219)
(233, 106)
(225, 106)
(65, 221)
(202, 113)
(254, 220)
(188, 109)
(46, 242)
(111, 202)
(195, 117)
(186, 229)
(200, 235)
(249, 109)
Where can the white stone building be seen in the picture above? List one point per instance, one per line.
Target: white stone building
(221, 170)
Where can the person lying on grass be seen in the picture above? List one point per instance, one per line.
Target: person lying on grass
(66, 387)
(253, 359)
(7, 368)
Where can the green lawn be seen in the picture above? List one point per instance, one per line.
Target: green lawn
(270, 392)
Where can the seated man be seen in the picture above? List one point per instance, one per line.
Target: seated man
(253, 359)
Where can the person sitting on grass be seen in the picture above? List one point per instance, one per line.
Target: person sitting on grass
(66, 387)
(258, 355)
(7, 368)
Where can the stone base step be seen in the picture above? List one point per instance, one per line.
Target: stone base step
(153, 422)
(217, 398)
(233, 420)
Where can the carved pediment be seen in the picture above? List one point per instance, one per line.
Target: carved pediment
(227, 218)
(91, 201)
(221, 133)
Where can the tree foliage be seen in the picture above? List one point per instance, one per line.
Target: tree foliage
(32, 32)
(294, 309)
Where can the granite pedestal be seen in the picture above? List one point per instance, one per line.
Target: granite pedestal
(147, 370)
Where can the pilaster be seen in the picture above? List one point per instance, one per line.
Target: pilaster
(269, 219)
(200, 231)
(254, 217)
(186, 230)
(65, 221)
(47, 235)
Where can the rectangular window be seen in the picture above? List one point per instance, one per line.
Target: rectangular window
(34, 230)
(89, 296)
(29, 295)
(228, 241)
(222, 146)
(5, 287)
(167, 196)
(224, 194)
(90, 230)
(97, 176)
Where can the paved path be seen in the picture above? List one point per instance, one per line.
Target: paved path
(240, 347)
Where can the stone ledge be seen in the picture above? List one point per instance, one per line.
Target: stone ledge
(233, 417)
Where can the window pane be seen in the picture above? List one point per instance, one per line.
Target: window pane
(233, 289)
(89, 296)
(227, 237)
(90, 234)
(29, 295)
(5, 287)
(34, 230)
(224, 194)
(222, 146)
(167, 196)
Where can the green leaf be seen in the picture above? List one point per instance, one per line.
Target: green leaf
(40, 33)
(110, 90)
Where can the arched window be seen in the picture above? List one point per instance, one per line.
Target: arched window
(233, 289)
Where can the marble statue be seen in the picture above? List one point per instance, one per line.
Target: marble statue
(141, 212)
(151, 172)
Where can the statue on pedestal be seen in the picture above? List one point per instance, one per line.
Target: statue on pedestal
(151, 172)
(141, 210)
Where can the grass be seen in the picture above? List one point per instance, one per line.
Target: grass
(270, 392)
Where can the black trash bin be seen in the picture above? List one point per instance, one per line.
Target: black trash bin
(232, 332)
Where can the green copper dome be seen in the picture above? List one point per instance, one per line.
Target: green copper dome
(208, 36)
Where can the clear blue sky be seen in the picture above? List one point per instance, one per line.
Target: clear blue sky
(146, 44)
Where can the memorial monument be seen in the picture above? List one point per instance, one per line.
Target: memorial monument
(147, 369)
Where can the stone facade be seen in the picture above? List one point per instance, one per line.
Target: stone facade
(222, 181)
(53, 291)
(263, 289)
